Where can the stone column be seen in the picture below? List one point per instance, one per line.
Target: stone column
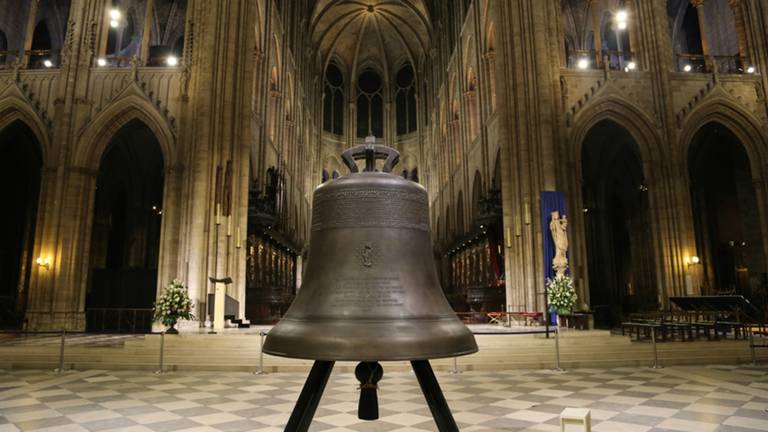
(145, 36)
(741, 34)
(220, 106)
(352, 122)
(31, 21)
(699, 5)
(634, 37)
(597, 37)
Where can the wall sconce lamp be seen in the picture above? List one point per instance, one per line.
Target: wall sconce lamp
(692, 260)
(43, 262)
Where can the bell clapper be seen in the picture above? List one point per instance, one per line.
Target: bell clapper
(369, 374)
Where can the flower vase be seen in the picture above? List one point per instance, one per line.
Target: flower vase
(172, 329)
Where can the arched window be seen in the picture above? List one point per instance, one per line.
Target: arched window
(370, 105)
(405, 100)
(333, 103)
(41, 45)
(123, 41)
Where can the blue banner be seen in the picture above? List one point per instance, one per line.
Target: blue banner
(550, 201)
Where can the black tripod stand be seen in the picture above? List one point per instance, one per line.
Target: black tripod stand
(313, 389)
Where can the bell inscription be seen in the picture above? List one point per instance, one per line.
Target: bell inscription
(368, 294)
(370, 208)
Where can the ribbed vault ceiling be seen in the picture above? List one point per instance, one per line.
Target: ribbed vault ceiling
(364, 32)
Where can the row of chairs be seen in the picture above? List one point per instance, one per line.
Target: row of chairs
(685, 326)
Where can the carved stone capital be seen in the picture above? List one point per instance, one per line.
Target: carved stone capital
(697, 3)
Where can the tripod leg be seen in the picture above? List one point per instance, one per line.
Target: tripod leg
(434, 396)
(309, 398)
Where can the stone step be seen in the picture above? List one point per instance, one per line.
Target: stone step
(241, 352)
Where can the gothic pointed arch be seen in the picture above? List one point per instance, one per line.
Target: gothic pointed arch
(630, 117)
(617, 223)
(126, 229)
(740, 122)
(333, 100)
(13, 108)
(477, 195)
(21, 171)
(96, 137)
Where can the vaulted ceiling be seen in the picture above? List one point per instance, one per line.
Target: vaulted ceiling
(359, 33)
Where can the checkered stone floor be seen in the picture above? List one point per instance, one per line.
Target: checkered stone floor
(700, 399)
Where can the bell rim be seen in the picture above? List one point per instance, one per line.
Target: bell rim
(459, 343)
(370, 359)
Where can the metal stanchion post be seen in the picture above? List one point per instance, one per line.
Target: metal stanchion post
(752, 347)
(260, 371)
(455, 369)
(162, 352)
(557, 350)
(61, 351)
(656, 364)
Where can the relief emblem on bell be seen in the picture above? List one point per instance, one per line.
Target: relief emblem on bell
(367, 254)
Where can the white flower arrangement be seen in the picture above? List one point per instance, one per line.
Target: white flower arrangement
(561, 295)
(174, 304)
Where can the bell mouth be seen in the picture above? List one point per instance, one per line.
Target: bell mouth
(370, 340)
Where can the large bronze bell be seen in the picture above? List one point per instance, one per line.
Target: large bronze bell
(370, 291)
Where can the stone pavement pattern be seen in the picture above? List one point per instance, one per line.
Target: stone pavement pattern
(717, 398)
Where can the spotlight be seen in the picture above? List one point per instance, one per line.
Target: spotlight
(115, 14)
(621, 16)
(751, 70)
(695, 260)
(687, 68)
(47, 63)
(621, 25)
(172, 61)
(43, 262)
(583, 63)
(101, 61)
(114, 23)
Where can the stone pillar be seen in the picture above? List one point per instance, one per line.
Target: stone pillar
(57, 293)
(351, 122)
(597, 37)
(741, 34)
(145, 36)
(699, 5)
(634, 37)
(31, 21)
(220, 106)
